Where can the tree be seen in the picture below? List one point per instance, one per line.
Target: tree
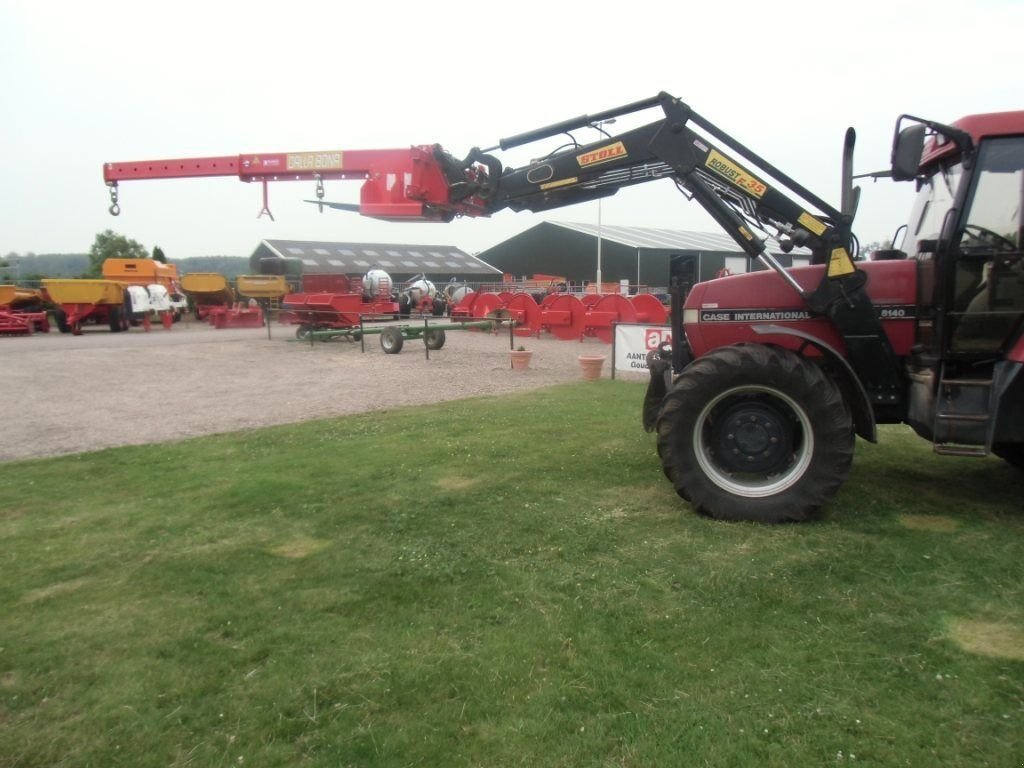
(110, 245)
(158, 254)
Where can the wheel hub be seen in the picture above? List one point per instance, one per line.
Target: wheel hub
(752, 437)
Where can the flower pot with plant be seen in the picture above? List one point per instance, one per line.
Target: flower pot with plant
(520, 358)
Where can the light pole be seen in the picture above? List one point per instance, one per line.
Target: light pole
(598, 125)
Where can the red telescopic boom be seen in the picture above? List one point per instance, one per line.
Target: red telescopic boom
(398, 184)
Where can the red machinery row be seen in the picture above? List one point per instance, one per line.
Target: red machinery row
(563, 315)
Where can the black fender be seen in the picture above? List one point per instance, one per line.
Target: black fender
(856, 396)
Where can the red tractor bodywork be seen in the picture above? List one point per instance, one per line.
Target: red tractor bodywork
(726, 311)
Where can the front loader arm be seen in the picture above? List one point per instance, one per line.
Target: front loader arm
(739, 200)
(742, 202)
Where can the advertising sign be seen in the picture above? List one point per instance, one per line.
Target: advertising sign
(631, 344)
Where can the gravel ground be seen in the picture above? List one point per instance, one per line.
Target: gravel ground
(63, 394)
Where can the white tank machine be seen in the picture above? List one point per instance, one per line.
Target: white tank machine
(376, 284)
(420, 294)
(153, 299)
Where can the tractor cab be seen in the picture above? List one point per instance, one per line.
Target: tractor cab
(965, 230)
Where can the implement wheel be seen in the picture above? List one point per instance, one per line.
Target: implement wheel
(115, 320)
(752, 432)
(303, 332)
(434, 338)
(391, 341)
(62, 321)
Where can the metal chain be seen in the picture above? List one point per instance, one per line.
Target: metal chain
(319, 192)
(115, 209)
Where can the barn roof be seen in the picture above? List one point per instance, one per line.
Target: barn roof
(673, 239)
(648, 237)
(392, 257)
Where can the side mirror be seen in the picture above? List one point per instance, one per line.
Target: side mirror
(907, 149)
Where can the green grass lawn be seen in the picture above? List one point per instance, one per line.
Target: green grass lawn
(500, 582)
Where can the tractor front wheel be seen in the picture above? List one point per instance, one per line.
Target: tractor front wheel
(752, 432)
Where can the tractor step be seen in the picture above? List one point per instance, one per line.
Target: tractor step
(963, 416)
(950, 449)
(967, 382)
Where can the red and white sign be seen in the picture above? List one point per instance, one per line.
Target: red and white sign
(633, 341)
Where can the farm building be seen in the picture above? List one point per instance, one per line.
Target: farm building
(637, 254)
(439, 263)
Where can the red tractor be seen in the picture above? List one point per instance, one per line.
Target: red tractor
(771, 374)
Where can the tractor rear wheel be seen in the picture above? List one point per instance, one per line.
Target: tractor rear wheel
(752, 432)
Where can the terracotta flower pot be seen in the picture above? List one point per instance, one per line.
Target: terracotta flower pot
(591, 366)
(520, 359)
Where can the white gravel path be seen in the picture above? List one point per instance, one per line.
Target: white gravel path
(63, 394)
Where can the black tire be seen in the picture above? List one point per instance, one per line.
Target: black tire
(752, 432)
(115, 319)
(391, 341)
(303, 332)
(1011, 453)
(666, 469)
(434, 338)
(437, 307)
(62, 321)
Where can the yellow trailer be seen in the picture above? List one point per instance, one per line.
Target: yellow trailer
(262, 286)
(96, 300)
(205, 282)
(207, 291)
(22, 311)
(84, 291)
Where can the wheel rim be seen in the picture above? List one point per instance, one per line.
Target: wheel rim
(753, 441)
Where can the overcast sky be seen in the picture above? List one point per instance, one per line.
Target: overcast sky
(89, 82)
